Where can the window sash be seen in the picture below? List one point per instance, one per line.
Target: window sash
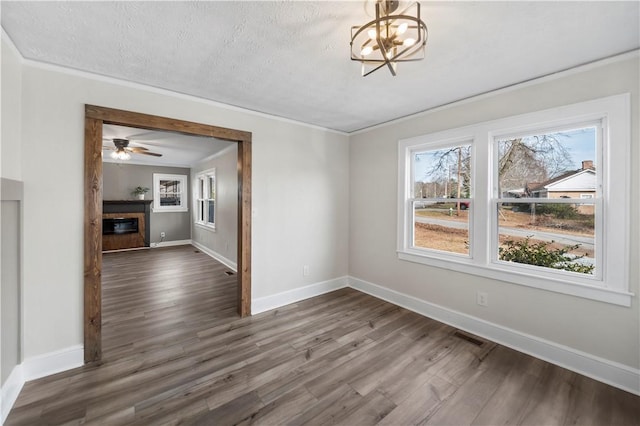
(177, 191)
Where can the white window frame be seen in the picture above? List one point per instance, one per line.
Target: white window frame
(183, 179)
(198, 198)
(611, 284)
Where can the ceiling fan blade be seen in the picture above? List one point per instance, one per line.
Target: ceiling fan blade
(136, 149)
(112, 148)
(150, 153)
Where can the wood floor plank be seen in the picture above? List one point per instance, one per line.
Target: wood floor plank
(175, 352)
(420, 403)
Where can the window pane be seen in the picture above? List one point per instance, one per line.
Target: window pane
(201, 210)
(211, 211)
(549, 235)
(441, 226)
(171, 186)
(212, 187)
(548, 165)
(169, 199)
(442, 173)
(200, 188)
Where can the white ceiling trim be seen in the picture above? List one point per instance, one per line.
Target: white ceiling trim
(156, 90)
(510, 88)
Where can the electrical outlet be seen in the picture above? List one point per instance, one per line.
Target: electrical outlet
(162, 235)
(305, 270)
(482, 298)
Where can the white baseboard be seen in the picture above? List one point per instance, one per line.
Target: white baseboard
(10, 391)
(35, 368)
(217, 256)
(262, 304)
(53, 362)
(170, 243)
(606, 371)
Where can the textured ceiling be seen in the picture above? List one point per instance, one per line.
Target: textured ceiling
(291, 59)
(177, 149)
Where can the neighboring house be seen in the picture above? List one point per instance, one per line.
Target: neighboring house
(575, 184)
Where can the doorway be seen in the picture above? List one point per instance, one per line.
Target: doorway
(95, 118)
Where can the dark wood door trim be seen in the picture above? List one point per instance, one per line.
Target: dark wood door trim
(95, 117)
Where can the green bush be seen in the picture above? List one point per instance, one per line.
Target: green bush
(540, 254)
(560, 211)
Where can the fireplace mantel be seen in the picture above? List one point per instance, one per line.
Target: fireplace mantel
(126, 202)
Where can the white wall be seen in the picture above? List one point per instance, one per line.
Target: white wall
(300, 194)
(608, 331)
(224, 239)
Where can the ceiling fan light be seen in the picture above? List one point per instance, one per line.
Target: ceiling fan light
(120, 155)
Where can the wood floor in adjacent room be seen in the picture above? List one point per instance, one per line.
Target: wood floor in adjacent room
(176, 353)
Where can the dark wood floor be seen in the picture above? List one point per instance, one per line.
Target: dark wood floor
(176, 353)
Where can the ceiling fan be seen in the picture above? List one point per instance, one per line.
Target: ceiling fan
(122, 150)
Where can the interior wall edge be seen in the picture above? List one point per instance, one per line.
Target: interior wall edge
(606, 371)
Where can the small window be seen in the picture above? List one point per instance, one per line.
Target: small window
(206, 198)
(169, 193)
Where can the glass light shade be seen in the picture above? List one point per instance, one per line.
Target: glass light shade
(120, 155)
(409, 42)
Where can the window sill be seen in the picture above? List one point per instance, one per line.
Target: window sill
(563, 286)
(170, 210)
(205, 226)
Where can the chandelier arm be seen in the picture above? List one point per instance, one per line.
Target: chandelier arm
(387, 40)
(375, 69)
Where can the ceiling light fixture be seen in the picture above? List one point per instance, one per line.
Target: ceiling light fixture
(389, 39)
(120, 155)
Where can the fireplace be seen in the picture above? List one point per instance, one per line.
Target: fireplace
(125, 224)
(120, 225)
